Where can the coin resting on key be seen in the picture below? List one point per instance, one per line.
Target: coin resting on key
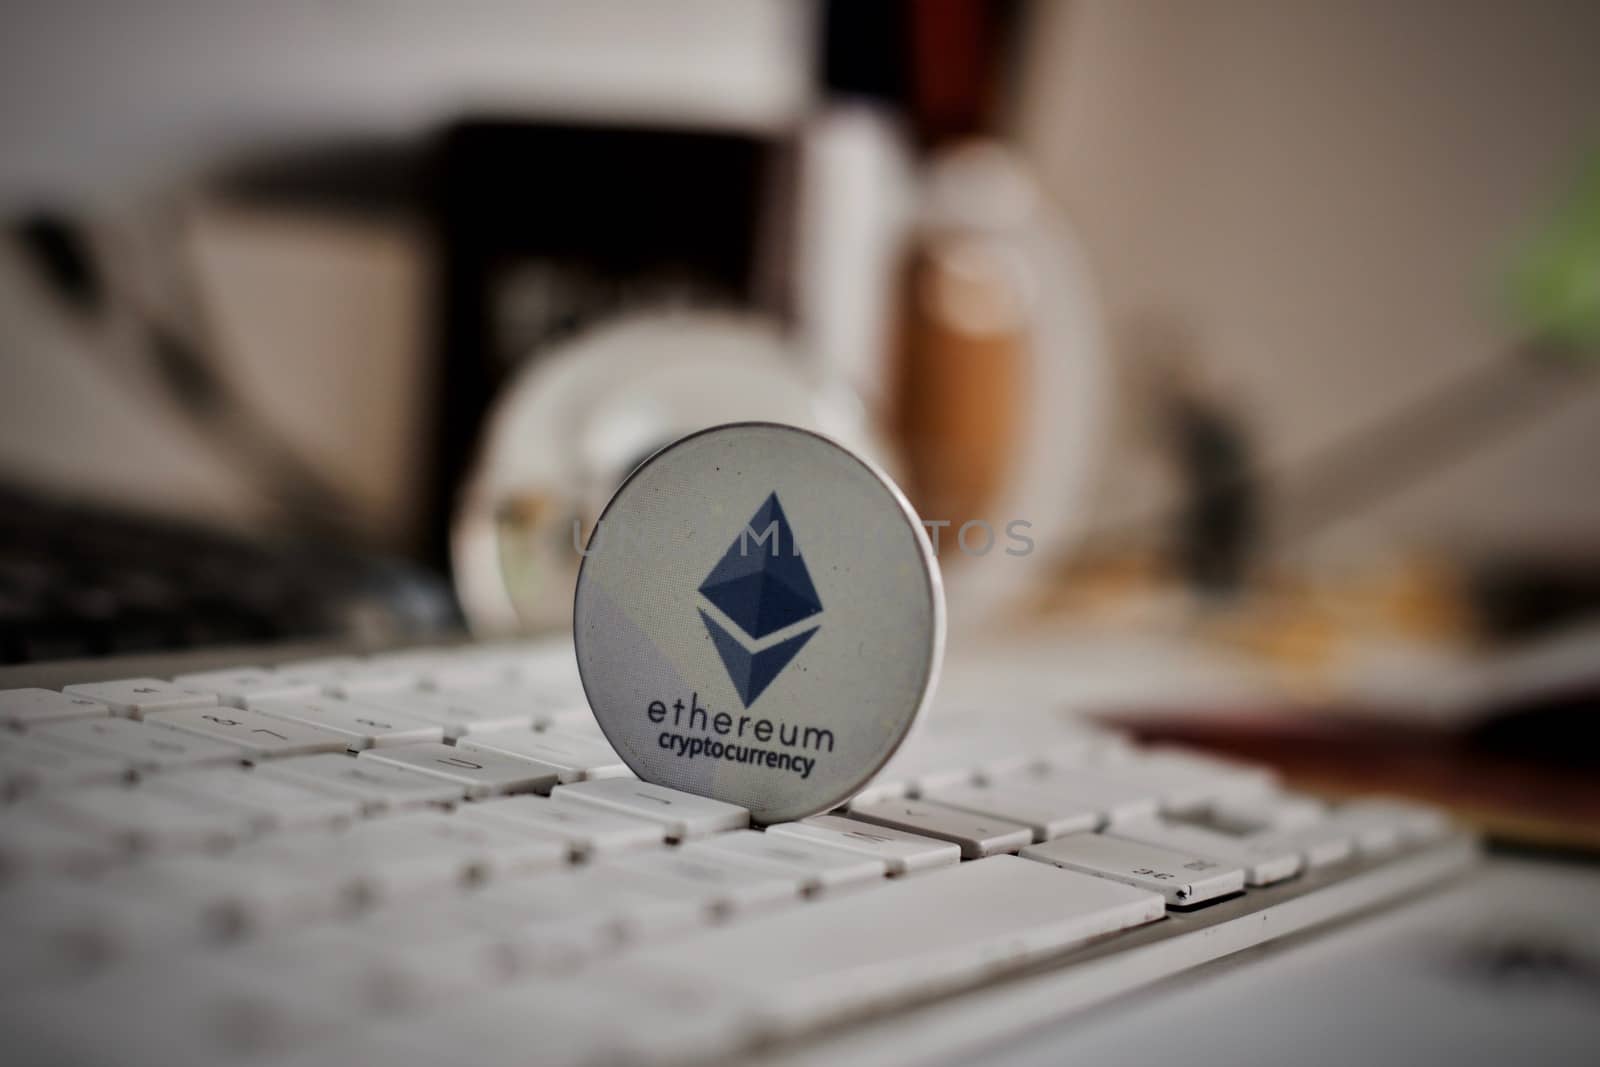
(758, 619)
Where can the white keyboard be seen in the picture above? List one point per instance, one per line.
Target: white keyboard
(435, 856)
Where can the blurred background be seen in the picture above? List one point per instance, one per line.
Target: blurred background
(1241, 354)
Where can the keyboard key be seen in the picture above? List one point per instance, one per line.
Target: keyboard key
(480, 773)
(1181, 878)
(725, 884)
(464, 675)
(574, 758)
(585, 831)
(1186, 780)
(568, 1023)
(488, 849)
(146, 820)
(261, 736)
(1028, 752)
(904, 853)
(1098, 789)
(141, 746)
(1370, 834)
(532, 928)
(924, 762)
(323, 669)
(548, 704)
(558, 705)
(58, 928)
(1264, 862)
(1317, 845)
(460, 713)
(1040, 810)
(204, 1010)
(390, 973)
(576, 722)
(406, 855)
(977, 835)
(32, 844)
(376, 787)
(357, 871)
(1269, 820)
(21, 708)
(818, 867)
(134, 697)
(886, 787)
(240, 688)
(1416, 823)
(1266, 811)
(125, 1001)
(271, 803)
(612, 907)
(463, 672)
(229, 899)
(959, 753)
(29, 765)
(414, 958)
(361, 725)
(1367, 827)
(546, 663)
(684, 815)
(1019, 744)
(803, 968)
(419, 659)
(372, 679)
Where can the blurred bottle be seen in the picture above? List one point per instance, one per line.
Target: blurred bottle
(965, 343)
(1001, 384)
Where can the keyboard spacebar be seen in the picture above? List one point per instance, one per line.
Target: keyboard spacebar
(907, 940)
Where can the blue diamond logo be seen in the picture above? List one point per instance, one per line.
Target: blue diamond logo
(761, 586)
(762, 582)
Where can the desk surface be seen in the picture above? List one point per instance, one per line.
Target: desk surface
(1501, 968)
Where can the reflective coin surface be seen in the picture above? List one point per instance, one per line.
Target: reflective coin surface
(759, 619)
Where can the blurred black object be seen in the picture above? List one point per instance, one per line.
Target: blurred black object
(866, 50)
(544, 229)
(177, 357)
(1519, 599)
(78, 581)
(60, 253)
(1559, 729)
(940, 63)
(1218, 525)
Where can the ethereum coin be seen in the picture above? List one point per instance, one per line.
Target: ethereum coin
(758, 619)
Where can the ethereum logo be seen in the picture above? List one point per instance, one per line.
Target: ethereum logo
(759, 593)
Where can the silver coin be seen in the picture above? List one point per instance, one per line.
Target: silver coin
(759, 618)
